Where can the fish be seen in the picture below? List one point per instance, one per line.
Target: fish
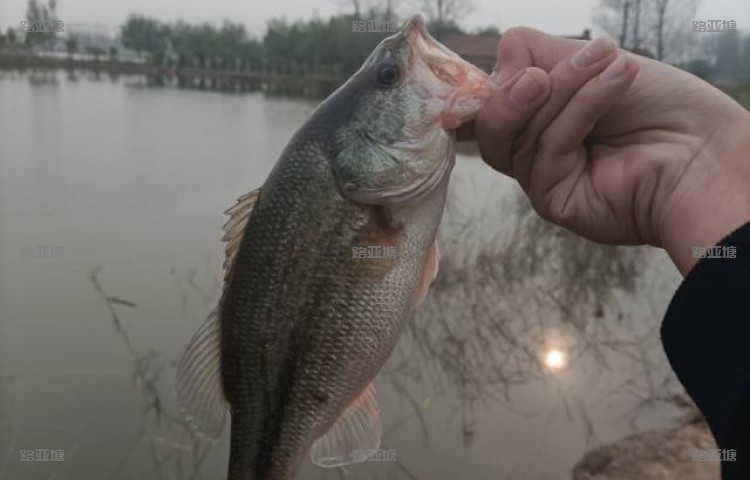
(326, 261)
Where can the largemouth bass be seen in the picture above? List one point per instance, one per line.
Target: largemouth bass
(327, 259)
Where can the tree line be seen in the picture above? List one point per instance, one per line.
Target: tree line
(338, 45)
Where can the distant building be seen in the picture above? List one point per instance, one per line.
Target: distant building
(481, 50)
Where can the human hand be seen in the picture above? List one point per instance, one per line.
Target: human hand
(641, 153)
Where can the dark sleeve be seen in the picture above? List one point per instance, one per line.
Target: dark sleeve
(706, 335)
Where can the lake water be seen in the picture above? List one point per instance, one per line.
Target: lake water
(115, 176)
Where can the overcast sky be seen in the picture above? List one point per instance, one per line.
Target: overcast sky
(553, 16)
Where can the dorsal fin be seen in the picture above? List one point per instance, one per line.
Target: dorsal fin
(239, 214)
(199, 388)
(356, 432)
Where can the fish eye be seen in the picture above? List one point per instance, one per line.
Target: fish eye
(388, 74)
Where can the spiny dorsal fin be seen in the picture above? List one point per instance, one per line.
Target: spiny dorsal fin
(358, 430)
(199, 390)
(239, 214)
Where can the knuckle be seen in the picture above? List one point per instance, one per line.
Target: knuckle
(518, 33)
(513, 40)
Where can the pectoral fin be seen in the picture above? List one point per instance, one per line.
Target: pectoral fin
(429, 273)
(358, 430)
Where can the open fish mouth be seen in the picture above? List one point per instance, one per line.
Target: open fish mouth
(451, 92)
(464, 88)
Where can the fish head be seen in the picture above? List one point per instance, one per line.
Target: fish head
(405, 103)
(421, 78)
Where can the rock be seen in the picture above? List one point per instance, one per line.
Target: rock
(660, 454)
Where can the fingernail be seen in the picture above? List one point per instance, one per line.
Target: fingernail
(525, 91)
(593, 52)
(615, 70)
(495, 71)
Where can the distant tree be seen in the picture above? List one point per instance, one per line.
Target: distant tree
(661, 19)
(745, 69)
(95, 51)
(723, 57)
(251, 54)
(700, 67)
(144, 34)
(443, 15)
(43, 17)
(657, 28)
(360, 7)
(331, 46)
(10, 37)
(357, 4)
(71, 45)
(728, 51)
(488, 32)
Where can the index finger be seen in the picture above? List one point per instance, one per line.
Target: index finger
(523, 47)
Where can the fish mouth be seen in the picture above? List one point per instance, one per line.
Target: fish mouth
(463, 87)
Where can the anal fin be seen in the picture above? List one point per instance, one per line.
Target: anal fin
(357, 431)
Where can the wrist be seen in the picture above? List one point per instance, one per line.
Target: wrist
(712, 198)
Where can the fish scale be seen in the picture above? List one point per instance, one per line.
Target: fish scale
(301, 286)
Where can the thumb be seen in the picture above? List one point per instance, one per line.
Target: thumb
(507, 113)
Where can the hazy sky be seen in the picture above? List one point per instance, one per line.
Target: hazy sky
(554, 16)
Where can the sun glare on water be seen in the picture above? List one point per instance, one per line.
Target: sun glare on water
(555, 360)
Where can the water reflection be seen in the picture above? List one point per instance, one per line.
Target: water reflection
(555, 359)
(533, 344)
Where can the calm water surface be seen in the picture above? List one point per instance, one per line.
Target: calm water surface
(133, 179)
